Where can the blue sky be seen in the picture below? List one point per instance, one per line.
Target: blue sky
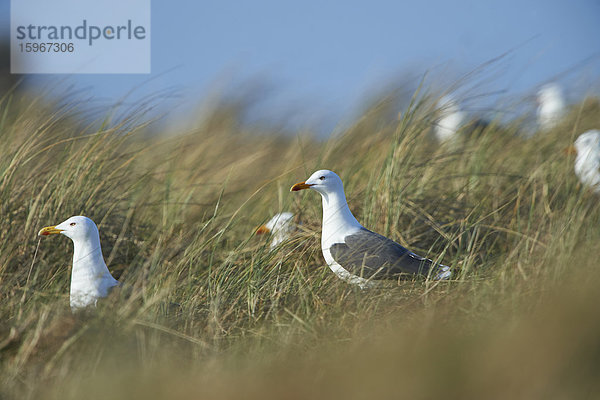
(321, 58)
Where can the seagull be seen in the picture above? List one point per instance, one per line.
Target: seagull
(90, 278)
(551, 106)
(354, 253)
(587, 163)
(450, 120)
(280, 226)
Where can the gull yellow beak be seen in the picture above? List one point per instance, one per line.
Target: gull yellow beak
(570, 150)
(262, 230)
(49, 230)
(300, 186)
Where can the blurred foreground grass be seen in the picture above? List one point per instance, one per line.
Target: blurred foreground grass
(177, 215)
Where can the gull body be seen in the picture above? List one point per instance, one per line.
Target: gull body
(90, 278)
(587, 162)
(280, 227)
(354, 253)
(551, 106)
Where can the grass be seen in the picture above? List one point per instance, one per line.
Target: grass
(210, 312)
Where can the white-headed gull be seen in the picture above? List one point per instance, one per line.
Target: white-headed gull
(280, 227)
(90, 278)
(354, 253)
(587, 163)
(551, 106)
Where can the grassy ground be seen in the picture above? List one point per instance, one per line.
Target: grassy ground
(177, 215)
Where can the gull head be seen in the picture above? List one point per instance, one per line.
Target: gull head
(448, 105)
(323, 181)
(279, 223)
(76, 228)
(550, 94)
(588, 141)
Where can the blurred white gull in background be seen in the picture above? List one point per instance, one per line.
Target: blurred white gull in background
(280, 227)
(587, 163)
(450, 120)
(551, 106)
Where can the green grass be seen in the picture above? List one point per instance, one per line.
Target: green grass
(177, 215)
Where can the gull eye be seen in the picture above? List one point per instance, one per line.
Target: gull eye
(73, 224)
(322, 178)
